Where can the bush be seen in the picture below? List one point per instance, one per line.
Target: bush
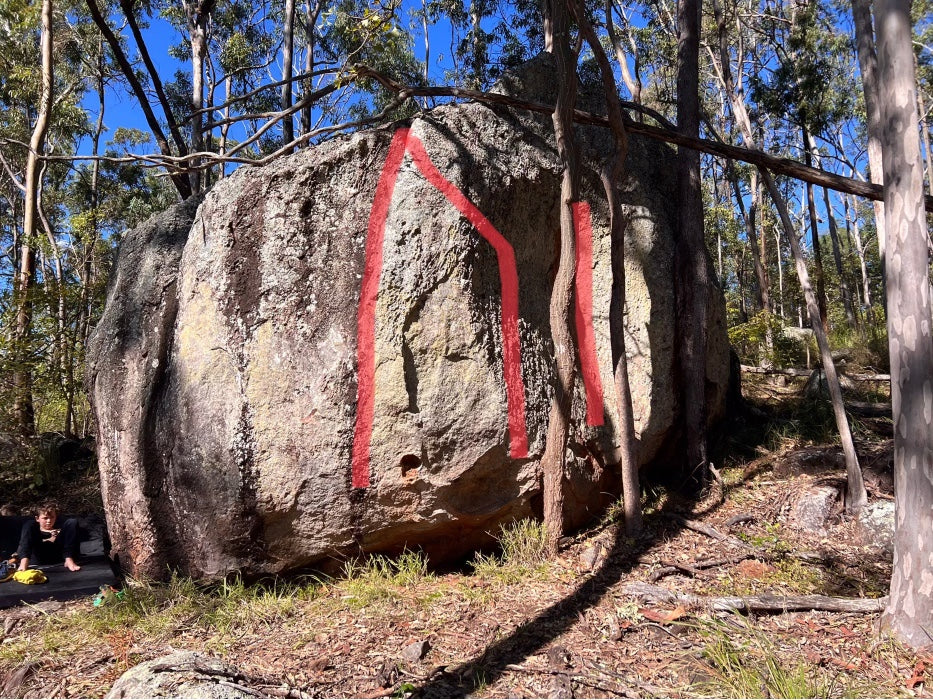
(750, 341)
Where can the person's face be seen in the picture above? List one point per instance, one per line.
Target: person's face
(46, 520)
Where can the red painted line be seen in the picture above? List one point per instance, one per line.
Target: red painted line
(366, 315)
(508, 276)
(586, 338)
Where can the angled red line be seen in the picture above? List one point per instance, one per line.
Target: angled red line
(366, 314)
(508, 277)
(586, 339)
(366, 317)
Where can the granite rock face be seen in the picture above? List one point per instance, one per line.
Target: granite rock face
(224, 373)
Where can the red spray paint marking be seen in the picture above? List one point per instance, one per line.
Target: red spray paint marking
(584, 313)
(366, 318)
(508, 276)
(366, 315)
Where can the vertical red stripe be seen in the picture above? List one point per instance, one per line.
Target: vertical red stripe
(366, 315)
(508, 276)
(586, 338)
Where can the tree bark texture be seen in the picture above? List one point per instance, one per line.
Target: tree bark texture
(691, 276)
(552, 462)
(910, 612)
(22, 375)
(755, 603)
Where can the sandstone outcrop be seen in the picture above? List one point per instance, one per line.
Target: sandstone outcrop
(229, 372)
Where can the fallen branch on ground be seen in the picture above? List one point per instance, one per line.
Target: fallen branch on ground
(756, 603)
(705, 529)
(866, 409)
(792, 372)
(669, 568)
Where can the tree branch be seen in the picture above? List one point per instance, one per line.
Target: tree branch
(756, 603)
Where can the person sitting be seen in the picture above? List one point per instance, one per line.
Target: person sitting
(49, 539)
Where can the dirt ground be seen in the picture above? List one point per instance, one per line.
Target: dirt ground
(518, 626)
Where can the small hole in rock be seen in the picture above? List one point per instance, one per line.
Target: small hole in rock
(410, 462)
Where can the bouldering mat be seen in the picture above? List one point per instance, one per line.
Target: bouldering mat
(62, 584)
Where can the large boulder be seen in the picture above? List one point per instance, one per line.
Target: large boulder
(225, 371)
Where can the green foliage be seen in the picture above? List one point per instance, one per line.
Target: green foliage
(761, 340)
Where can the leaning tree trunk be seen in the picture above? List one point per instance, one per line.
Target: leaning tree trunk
(22, 374)
(855, 487)
(910, 610)
(815, 238)
(611, 176)
(856, 498)
(691, 276)
(552, 462)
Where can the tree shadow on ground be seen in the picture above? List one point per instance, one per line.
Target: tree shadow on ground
(537, 633)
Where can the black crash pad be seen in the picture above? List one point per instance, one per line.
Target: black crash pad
(62, 584)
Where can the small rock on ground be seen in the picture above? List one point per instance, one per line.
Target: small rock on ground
(183, 674)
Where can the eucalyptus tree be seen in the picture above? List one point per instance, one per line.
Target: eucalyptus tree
(691, 277)
(910, 331)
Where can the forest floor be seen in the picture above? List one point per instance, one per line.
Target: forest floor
(514, 624)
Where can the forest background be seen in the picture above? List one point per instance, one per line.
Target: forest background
(253, 81)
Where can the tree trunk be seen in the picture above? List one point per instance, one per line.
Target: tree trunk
(181, 183)
(852, 220)
(611, 175)
(751, 231)
(856, 498)
(198, 15)
(631, 79)
(691, 274)
(22, 375)
(89, 245)
(780, 269)
(180, 146)
(844, 288)
(312, 11)
(815, 238)
(925, 132)
(552, 462)
(868, 66)
(288, 30)
(909, 614)
(225, 127)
